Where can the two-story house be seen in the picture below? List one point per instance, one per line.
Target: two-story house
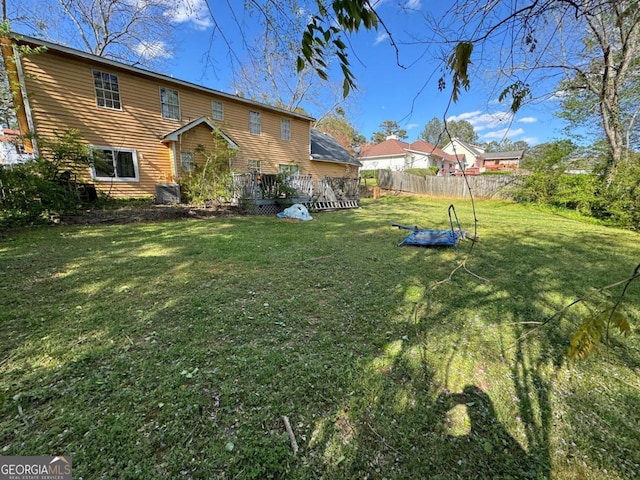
(152, 128)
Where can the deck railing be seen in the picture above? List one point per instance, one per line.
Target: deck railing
(262, 186)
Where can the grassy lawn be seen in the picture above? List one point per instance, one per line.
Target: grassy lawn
(174, 349)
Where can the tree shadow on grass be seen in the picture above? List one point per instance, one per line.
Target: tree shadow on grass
(329, 351)
(476, 443)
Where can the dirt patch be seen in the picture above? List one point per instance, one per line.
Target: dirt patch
(149, 213)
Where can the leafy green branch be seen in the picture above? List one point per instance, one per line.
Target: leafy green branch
(589, 334)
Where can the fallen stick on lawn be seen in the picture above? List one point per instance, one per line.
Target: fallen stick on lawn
(292, 437)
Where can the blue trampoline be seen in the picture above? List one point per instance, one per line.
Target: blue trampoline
(433, 238)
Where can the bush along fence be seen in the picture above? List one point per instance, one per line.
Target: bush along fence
(268, 194)
(490, 186)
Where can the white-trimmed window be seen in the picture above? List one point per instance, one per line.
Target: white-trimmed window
(289, 170)
(285, 129)
(115, 164)
(254, 123)
(186, 161)
(107, 90)
(217, 110)
(255, 166)
(170, 103)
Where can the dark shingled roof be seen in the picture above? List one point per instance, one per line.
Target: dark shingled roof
(325, 148)
(518, 154)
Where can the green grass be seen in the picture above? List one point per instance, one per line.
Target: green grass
(173, 349)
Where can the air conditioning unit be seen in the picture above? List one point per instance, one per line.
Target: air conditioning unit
(167, 193)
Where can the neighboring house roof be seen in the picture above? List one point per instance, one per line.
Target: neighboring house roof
(11, 147)
(389, 147)
(394, 147)
(140, 71)
(514, 155)
(426, 147)
(474, 149)
(325, 148)
(173, 136)
(9, 135)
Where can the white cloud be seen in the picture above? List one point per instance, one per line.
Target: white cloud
(502, 133)
(531, 140)
(528, 120)
(413, 4)
(482, 121)
(382, 36)
(189, 11)
(559, 95)
(152, 50)
(464, 116)
(411, 126)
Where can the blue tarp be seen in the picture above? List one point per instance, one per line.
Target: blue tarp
(297, 210)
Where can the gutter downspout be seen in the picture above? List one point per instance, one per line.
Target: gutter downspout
(18, 88)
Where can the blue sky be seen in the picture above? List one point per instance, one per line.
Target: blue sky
(406, 93)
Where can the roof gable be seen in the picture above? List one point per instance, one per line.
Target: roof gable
(473, 149)
(173, 136)
(426, 147)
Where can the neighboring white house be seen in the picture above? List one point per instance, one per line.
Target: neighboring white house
(11, 148)
(394, 154)
(475, 156)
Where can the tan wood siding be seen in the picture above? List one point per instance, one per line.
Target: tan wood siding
(62, 96)
(328, 169)
(200, 142)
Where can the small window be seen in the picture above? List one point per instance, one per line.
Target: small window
(115, 164)
(289, 170)
(170, 103)
(285, 129)
(255, 166)
(254, 123)
(186, 161)
(107, 90)
(217, 110)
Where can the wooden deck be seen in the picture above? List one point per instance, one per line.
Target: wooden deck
(268, 194)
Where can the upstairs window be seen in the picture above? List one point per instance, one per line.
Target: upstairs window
(107, 90)
(254, 123)
(217, 110)
(170, 103)
(285, 129)
(115, 164)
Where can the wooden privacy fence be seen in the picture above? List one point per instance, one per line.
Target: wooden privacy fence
(482, 186)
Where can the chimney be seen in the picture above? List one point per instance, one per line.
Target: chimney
(392, 137)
